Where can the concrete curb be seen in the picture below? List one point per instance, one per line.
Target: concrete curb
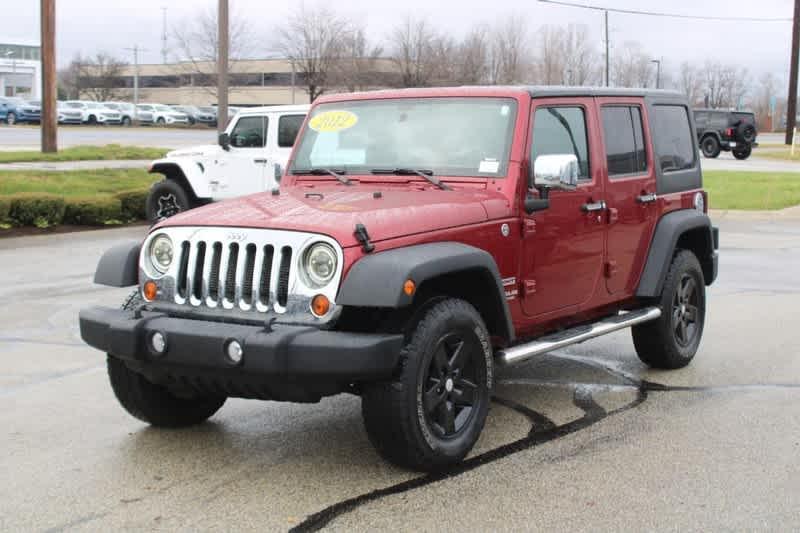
(789, 213)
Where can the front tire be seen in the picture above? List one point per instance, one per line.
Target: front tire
(161, 121)
(430, 416)
(710, 147)
(742, 153)
(11, 119)
(671, 341)
(153, 403)
(126, 121)
(166, 199)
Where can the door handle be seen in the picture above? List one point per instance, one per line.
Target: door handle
(594, 206)
(647, 198)
(260, 161)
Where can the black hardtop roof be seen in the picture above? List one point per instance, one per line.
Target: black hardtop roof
(546, 91)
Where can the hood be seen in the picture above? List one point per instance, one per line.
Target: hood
(335, 211)
(195, 151)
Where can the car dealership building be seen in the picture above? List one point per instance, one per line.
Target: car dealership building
(20, 68)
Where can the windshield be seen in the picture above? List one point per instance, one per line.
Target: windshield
(74, 105)
(448, 136)
(163, 108)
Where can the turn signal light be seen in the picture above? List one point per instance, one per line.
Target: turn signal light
(409, 287)
(150, 291)
(320, 305)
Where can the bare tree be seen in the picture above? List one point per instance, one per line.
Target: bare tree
(413, 50)
(472, 55)
(313, 39)
(552, 60)
(690, 82)
(509, 61)
(70, 80)
(197, 47)
(581, 58)
(725, 85)
(356, 67)
(766, 100)
(632, 67)
(98, 77)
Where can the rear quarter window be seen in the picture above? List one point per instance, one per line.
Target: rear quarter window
(673, 138)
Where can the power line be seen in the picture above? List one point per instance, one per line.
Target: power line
(666, 15)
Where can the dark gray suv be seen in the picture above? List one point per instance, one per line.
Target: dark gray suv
(732, 131)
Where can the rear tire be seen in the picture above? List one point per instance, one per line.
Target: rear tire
(430, 416)
(167, 198)
(710, 147)
(153, 403)
(671, 341)
(161, 121)
(126, 121)
(743, 152)
(11, 119)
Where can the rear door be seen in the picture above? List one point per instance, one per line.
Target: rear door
(630, 190)
(563, 244)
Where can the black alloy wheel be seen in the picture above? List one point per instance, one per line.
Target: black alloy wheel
(685, 312)
(450, 384)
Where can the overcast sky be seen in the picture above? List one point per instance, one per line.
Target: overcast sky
(88, 26)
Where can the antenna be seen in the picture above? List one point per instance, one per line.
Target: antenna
(164, 36)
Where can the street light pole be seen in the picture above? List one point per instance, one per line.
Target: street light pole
(658, 72)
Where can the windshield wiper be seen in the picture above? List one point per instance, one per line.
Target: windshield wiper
(425, 173)
(336, 173)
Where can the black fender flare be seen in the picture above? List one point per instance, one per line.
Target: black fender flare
(377, 280)
(662, 247)
(119, 266)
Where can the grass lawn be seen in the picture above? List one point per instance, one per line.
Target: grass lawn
(76, 183)
(85, 153)
(751, 190)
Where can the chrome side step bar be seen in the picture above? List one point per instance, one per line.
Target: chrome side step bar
(548, 343)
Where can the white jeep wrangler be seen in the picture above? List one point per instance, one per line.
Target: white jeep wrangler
(249, 158)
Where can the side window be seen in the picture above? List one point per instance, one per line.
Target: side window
(624, 139)
(561, 130)
(249, 132)
(673, 137)
(288, 128)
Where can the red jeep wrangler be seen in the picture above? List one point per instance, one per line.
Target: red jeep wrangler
(419, 238)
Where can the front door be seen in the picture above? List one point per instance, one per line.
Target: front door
(563, 245)
(241, 170)
(630, 191)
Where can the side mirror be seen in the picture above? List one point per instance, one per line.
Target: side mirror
(558, 171)
(225, 141)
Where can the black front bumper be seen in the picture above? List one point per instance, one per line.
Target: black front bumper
(195, 347)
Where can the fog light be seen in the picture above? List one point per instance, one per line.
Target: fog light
(235, 352)
(158, 342)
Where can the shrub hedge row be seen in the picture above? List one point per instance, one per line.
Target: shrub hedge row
(43, 210)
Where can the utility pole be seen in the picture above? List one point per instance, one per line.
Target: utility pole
(136, 51)
(164, 36)
(608, 60)
(222, 65)
(49, 118)
(791, 104)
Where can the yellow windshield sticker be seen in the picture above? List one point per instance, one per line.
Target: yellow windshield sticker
(332, 121)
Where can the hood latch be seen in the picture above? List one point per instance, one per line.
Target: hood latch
(362, 236)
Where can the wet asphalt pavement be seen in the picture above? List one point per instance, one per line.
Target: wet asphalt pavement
(584, 439)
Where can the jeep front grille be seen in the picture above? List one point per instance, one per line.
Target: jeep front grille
(233, 275)
(233, 270)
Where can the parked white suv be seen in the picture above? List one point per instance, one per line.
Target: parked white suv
(95, 112)
(164, 114)
(250, 157)
(126, 110)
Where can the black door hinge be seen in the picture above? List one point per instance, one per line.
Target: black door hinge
(362, 236)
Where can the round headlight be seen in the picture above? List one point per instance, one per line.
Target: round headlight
(161, 253)
(319, 264)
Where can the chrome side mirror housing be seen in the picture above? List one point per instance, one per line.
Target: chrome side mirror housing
(556, 172)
